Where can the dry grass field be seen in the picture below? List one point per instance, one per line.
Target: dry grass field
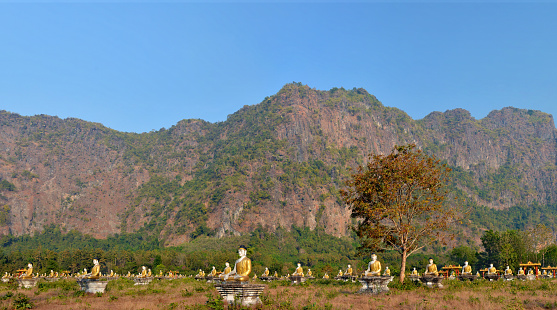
(192, 294)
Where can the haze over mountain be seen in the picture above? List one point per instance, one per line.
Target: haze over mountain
(278, 163)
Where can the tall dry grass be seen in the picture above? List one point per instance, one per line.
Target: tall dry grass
(191, 294)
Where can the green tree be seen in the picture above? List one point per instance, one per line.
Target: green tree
(462, 254)
(400, 200)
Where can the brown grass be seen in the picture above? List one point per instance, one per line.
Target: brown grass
(191, 294)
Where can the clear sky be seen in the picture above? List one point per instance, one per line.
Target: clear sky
(141, 65)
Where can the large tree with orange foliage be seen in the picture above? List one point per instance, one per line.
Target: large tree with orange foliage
(400, 202)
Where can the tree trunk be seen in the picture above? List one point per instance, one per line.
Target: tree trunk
(402, 266)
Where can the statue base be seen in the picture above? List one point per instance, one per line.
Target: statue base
(267, 278)
(297, 279)
(374, 285)
(491, 277)
(142, 281)
(467, 277)
(27, 283)
(243, 293)
(508, 277)
(5, 280)
(346, 278)
(51, 279)
(432, 281)
(92, 285)
(531, 277)
(414, 278)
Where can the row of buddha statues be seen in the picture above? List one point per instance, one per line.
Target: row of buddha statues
(243, 268)
(95, 273)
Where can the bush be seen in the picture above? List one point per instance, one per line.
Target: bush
(21, 301)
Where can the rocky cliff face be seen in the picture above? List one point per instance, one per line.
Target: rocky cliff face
(278, 163)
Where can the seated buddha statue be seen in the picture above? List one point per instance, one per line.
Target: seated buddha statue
(508, 271)
(276, 274)
(387, 271)
(242, 267)
(51, 275)
(200, 273)
(414, 272)
(213, 272)
(374, 267)
(226, 271)
(143, 272)
(530, 272)
(431, 269)
(149, 273)
(491, 269)
(95, 271)
(160, 273)
(266, 272)
(28, 272)
(544, 273)
(326, 276)
(129, 274)
(310, 274)
(348, 271)
(466, 269)
(299, 271)
(339, 273)
(520, 271)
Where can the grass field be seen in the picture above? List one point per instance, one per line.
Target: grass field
(191, 294)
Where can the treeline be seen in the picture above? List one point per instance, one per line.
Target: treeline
(280, 250)
(510, 248)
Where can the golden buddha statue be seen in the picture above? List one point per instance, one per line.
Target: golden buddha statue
(51, 275)
(28, 272)
(143, 272)
(226, 271)
(213, 272)
(466, 269)
(242, 268)
(299, 271)
(544, 273)
(310, 274)
(160, 273)
(129, 274)
(266, 272)
(387, 271)
(200, 273)
(349, 271)
(95, 271)
(431, 269)
(491, 269)
(149, 273)
(326, 276)
(276, 274)
(414, 272)
(530, 272)
(374, 267)
(339, 273)
(508, 271)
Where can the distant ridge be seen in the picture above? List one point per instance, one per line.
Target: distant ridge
(277, 163)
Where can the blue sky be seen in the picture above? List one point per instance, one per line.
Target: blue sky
(139, 66)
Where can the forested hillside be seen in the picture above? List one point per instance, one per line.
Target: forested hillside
(276, 164)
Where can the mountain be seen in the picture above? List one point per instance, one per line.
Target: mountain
(275, 164)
